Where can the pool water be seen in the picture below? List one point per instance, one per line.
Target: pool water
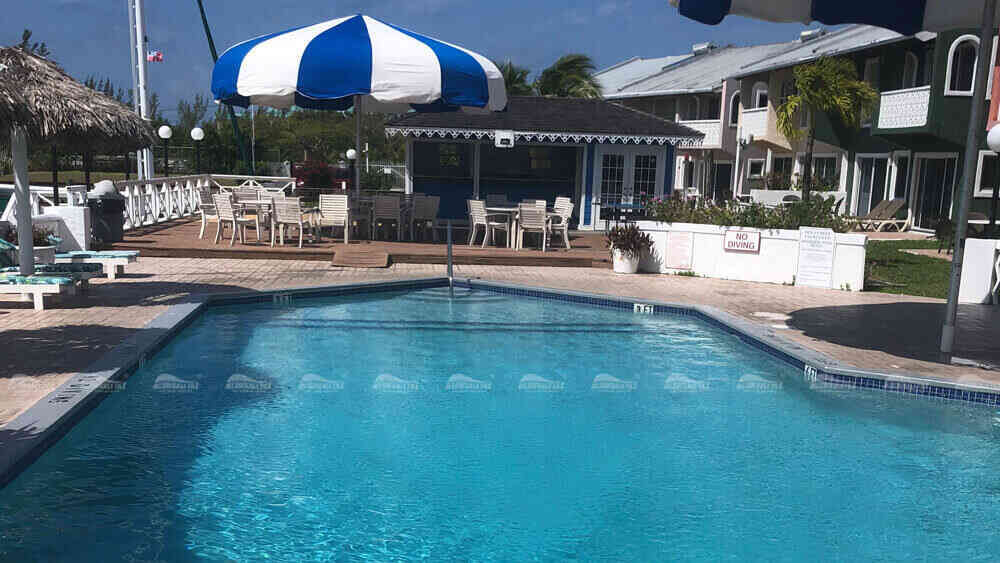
(405, 426)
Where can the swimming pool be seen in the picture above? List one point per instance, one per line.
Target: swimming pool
(407, 425)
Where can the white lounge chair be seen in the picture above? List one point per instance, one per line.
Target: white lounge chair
(112, 262)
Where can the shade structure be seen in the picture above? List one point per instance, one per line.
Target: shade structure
(906, 17)
(39, 102)
(357, 62)
(326, 65)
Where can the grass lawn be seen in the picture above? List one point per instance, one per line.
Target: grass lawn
(889, 270)
(40, 177)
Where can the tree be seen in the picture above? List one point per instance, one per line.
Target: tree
(36, 48)
(830, 86)
(572, 76)
(516, 79)
(190, 114)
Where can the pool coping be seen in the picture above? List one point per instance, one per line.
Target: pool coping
(30, 434)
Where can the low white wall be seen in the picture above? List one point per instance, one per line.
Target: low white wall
(70, 223)
(978, 272)
(773, 198)
(776, 262)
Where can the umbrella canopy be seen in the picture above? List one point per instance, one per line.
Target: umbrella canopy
(904, 17)
(50, 106)
(324, 66)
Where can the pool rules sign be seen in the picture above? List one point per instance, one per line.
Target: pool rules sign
(816, 248)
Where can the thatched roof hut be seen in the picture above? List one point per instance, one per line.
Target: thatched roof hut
(54, 108)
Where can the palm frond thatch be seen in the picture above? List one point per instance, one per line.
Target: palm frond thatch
(52, 107)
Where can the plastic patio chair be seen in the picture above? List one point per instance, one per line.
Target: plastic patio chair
(334, 211)
(227, 214)
(287, 212)
(531, 219)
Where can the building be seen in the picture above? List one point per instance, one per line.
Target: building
(600, 154)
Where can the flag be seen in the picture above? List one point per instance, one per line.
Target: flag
(154, 56)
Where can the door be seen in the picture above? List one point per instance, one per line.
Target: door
(628, 176)
(873, 175)
(935, 182)
(722, 181)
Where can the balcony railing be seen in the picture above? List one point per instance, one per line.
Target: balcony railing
(754, 123)
(904, 108)
(711, 128)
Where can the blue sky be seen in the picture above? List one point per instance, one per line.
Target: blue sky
(90, 36)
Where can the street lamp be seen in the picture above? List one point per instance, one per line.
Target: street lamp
(165, 132)
(352, 156)
(197, 134)
(993, 141)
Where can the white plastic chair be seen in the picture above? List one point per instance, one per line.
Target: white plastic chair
(227, 214)
(559, 219)
(531, 219)
(206, 206)
(478, 217)
(287, 212)
(334, 211)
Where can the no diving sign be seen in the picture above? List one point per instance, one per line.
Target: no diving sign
(741, 241)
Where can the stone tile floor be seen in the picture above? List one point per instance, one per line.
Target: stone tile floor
(868, 330)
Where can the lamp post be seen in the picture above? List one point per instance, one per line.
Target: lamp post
(993, 141)
(165, 132)
(352, 156)
(197, 134)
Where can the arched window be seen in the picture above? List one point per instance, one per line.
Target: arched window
(961, 70)
(760, 95)
(910, 64)
(734, 110)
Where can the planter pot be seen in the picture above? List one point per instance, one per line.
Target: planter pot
(624, 264)
(45, 255)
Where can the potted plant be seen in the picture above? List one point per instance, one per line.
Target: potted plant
(627, 245)
(43, 240)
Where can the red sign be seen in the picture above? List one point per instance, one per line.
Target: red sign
(741, 241)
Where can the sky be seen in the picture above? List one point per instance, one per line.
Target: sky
(90, 37)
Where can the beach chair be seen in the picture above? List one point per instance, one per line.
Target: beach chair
(112, 262)
(883, 217)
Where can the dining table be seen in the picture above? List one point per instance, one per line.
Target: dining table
(511, 214)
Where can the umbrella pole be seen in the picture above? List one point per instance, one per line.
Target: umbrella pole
(22, 194)
(977, 131)
(357, 144)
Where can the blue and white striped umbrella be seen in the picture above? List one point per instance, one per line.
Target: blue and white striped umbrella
(324, 66)
(906, 17)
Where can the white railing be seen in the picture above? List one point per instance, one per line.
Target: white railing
(711, 128)
(754, 123)
(904, 108)
(157, 200)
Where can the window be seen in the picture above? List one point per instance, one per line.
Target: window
(688, 173)
(782, 165)
(929, 63)
(710, 110)
(872, 73)
(755, 168)
(986, 174)
(910, 64)
(448, 156)
(666, 108)
(734, 110)
(442, 160)
(804, 115)
(961, 66)
(900, 190)
(689, 109)
(612, 177)
(825, 170)
(644, 175)
(781, 172)
(760, 95)
(540, 158)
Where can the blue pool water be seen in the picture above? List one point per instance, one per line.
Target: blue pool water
(405, 426)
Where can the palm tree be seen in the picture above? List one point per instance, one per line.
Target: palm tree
(516, 79)
(831, 86)
(572, 76)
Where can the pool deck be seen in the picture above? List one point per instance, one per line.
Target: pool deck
(870, 331)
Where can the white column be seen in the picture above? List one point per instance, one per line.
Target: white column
(475, 169)
(22, 194)
(408, 177)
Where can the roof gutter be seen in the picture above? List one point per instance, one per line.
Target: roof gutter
(628, 95)
(829, 54)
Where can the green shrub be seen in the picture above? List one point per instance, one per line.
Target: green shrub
(815, 212)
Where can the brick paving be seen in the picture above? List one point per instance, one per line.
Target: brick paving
(867, 330)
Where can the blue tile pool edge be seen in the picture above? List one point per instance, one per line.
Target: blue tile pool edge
(30, 434)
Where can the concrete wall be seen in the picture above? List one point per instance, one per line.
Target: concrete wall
(777, 261)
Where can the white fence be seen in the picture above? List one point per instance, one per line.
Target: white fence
(158, 200)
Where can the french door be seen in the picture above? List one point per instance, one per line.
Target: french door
(872, 183)
(935, 182)
(627, 175)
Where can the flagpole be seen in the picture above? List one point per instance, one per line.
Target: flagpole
(973, 140)
(357, 143)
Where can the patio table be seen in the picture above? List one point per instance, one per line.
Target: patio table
(511, 214)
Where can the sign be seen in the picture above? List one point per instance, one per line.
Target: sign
(680, 250)
(816, 248)
(741, 241)
(503, 139)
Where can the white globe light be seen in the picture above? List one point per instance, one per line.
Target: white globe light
(993, 138)
(197, 134)
(351, 154)
(165, 132)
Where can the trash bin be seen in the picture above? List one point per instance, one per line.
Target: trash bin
(107, 213)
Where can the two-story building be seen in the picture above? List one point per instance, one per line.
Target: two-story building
(697, 91)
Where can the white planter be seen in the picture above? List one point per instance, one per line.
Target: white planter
(45, 255)
(624, 264)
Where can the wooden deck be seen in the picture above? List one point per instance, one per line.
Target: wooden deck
(179, 239)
